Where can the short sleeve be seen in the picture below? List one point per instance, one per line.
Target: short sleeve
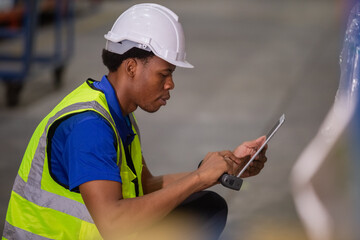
(89, 152)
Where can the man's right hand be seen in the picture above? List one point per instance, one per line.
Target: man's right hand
(215, 164)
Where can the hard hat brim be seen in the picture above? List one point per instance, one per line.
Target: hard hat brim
(184, 64)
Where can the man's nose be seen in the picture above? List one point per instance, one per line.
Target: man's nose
(169, 84)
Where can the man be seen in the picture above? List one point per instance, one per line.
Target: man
(83, 175)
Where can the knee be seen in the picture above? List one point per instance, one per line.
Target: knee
(218, 216)
(218, 203)
(216, 208)
(205, 205)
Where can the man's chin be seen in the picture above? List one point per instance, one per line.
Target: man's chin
(150, 109)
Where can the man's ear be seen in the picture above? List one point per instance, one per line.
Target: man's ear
(130, 67)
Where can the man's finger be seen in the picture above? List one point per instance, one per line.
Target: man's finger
(229, 156)
(257, 164)
(256, 144)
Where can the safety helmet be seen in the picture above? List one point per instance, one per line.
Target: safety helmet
(151, 27)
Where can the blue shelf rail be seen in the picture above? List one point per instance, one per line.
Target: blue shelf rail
(56, 60)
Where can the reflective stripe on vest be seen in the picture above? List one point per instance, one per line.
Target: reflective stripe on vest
(11, 232)
(31, 193)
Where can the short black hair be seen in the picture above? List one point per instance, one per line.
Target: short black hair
(113, 60)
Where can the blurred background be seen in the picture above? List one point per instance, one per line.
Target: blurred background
(254, 60)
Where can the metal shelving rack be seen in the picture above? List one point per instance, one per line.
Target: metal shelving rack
(55, 60)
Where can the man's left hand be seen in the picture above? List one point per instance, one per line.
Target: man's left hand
(246, 151)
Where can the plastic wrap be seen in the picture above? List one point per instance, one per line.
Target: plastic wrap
(349, 59)
(318, 221)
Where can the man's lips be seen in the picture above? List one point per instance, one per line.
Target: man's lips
(164, 99)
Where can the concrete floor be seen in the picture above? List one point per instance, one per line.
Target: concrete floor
(254, 60)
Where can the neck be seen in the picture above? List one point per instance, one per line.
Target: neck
(121, 91)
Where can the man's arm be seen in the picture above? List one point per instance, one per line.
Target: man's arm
(117, 217)
(153, 183)
(244, 152)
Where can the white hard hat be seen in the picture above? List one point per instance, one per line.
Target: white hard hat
(151, 27)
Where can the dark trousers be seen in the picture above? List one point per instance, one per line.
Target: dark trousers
(210, 210)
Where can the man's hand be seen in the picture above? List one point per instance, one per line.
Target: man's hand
(215, 164)
(246, 151)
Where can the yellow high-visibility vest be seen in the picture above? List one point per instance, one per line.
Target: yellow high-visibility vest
(39, 207)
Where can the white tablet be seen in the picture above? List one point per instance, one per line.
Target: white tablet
(268, 137)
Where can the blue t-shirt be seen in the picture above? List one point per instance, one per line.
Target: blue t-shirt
(83, 147)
